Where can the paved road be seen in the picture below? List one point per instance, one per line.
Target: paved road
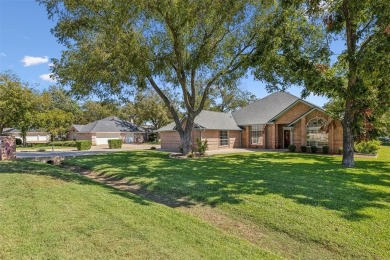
(72, 153)
(22, 155)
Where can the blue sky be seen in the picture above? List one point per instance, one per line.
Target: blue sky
(27, 45)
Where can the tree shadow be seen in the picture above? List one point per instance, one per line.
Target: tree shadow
(54, 172)
(306, 179)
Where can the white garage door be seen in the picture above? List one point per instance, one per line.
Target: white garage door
(102, 138)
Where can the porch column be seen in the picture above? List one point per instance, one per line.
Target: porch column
(303, 131)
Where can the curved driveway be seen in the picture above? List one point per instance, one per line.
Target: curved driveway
(72, 153)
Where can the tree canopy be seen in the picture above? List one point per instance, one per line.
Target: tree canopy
(18, 102)
(188, 46)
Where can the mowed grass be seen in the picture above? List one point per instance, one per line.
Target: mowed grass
(296, 205)
(50, 213)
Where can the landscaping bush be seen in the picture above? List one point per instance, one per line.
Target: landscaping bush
(325, 149)
(201, 146)
(368, 147)
(153, 137)
(63, 143)
(83, 145)
(340, 151)
(292, 148)
(18, 141)
(153, 148)
(303, 148)
(313, 149)
(115, 143)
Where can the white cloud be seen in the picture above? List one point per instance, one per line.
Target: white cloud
(47, 77)
(2, 54)
(31, 61)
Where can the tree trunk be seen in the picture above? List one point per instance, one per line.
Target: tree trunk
(186, 134)
(186, 141)
(348, 153)
(349, 116)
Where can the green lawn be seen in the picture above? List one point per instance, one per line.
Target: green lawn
(49, 213)
(295, 205)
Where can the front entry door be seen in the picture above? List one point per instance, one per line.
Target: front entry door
(287, 141)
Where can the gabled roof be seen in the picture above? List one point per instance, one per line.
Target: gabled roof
(78, 127)
(209, 120)
(107, 125)
(266, 109)
(305, 114)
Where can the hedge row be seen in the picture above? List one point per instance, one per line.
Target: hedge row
(292, 148)
(83, 145)
(115, 143)
(63, 143)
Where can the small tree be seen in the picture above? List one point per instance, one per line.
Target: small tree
(55, 121)
(18, 103)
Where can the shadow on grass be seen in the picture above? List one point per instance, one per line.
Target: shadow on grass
(307, 179)
(43, 169)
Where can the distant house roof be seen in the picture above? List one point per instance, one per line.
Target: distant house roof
(107, 125)
(17, 131)
(209, 120)
(264, 110)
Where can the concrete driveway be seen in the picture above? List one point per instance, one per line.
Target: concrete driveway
(100, 149)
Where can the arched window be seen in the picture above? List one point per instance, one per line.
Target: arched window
(316, 133)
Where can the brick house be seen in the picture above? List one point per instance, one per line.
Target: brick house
(100, 131)
(220, 130)
(273, 122)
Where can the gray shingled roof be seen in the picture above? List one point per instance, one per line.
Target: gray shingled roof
(109, 124)
(168, 127)
(209, 120)
(15, 130)
(265, 109)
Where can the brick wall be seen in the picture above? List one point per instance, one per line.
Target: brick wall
(7, 148)
(335, 133)
(293, 113)
(171, 139)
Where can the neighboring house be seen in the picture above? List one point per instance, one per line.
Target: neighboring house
(99, 132)
(273, 122)
(32, 137)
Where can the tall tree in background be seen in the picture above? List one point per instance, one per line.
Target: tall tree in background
(150, 108)
(96, 110)
(165, 45)
(229, 97)
(58, 97)
(18, 103)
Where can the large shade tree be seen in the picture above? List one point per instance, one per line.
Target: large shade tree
(183, 45)
(360, 77)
